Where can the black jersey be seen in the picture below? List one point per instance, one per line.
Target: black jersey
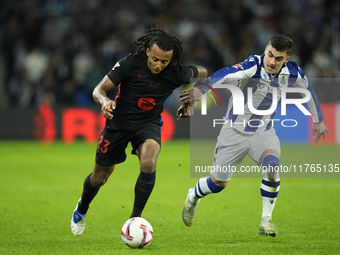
(141, 95)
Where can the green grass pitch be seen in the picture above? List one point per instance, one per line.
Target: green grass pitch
(41, 184)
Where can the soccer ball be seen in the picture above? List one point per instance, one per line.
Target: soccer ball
(137, 233)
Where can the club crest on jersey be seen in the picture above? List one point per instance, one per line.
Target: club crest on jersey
(239, 66)
(153, 86)
(283, 80)
(146, 103)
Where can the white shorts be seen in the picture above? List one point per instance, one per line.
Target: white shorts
(232, 146)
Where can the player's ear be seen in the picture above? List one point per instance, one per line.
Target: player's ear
(287, 59)
(147, 51)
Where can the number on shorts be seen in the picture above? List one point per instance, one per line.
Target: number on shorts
(105, 146)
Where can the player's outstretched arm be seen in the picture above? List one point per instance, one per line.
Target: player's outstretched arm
(320, 130)
(191, 96)
(194, 94)
(100, 97)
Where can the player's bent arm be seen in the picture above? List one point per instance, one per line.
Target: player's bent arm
(100, 91)
(100, 96)
(320, 129)
(202, 72)
(194, 94)
(318, 126)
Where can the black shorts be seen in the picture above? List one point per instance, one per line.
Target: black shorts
(112, 143)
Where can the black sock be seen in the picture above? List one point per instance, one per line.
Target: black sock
(143, 189)
(89, 192)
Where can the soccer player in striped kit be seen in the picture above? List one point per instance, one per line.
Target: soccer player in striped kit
(252, 134)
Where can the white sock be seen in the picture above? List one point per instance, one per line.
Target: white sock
(201, 190)
(203, 187)
(269, 192)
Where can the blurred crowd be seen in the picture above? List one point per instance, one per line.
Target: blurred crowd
(57, 51)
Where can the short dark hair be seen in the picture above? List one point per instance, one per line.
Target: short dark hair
(164, 40)
(282, 43)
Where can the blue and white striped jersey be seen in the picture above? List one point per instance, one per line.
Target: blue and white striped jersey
(251, 73)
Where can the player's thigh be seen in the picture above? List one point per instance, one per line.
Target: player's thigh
(143, 133)
(265, 141)
(111, 147)
(230, 150)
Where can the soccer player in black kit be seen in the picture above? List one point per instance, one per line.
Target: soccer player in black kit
(145, 80)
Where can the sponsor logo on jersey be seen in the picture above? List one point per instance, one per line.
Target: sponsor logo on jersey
(261, 86)
(239, 66)
(146, 103)
(140, 76)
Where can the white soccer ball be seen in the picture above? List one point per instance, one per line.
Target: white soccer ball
(137, 233)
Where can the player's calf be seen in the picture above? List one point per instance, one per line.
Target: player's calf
(270, 187)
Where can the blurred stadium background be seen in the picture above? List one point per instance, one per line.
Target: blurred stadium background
(53, 53)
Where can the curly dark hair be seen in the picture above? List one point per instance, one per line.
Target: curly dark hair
(164, 41)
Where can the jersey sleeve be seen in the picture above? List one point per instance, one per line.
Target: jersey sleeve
(120, 70)
(183, 74)
(231, 75)
(313, 104)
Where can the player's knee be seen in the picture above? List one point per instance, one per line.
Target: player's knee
(148, 164)
(270, 165)
(216, 186)
(98, 180)
(270, 160)
(222, 184)
(100, 175)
